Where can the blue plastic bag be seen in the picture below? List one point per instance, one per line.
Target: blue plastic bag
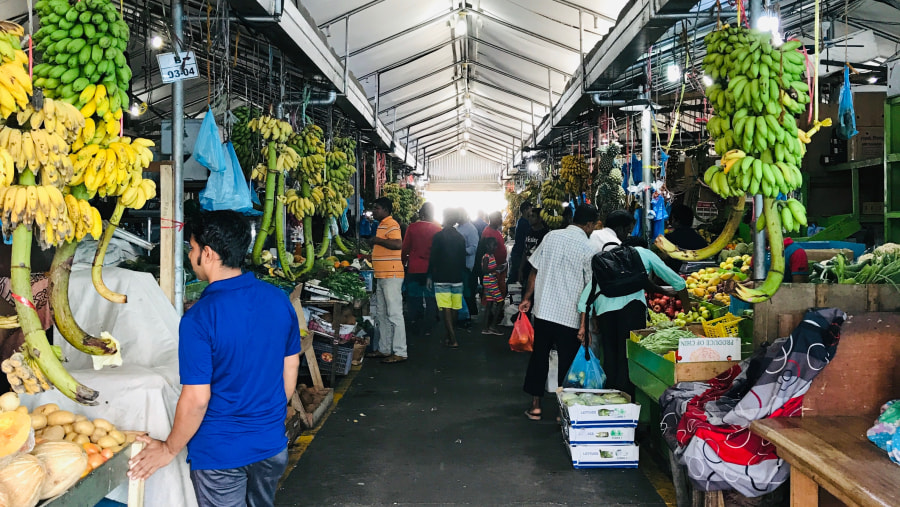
(226, 189)
(208, 147)
(585, 372)
(846, 127)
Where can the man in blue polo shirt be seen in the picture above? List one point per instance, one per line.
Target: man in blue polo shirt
(238, 358)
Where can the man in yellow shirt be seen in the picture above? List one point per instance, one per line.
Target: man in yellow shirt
(386, 260)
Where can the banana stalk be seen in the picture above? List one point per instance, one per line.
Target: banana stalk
(283, 256)
(307, 235)
(97, 268)
(731, 226)
(60, 271)
(36, 347)
(326, 242)
(776, 246)
(269, 204)
(339, 242)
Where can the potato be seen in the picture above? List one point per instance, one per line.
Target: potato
(97, 435)
(47, 409)
(9, 402)
(60, 418)
(71, 436)
(84, 428)
(38, 421)
(82, 439)
(22, 409)
(68, 428)
(104, 425)
(81, 417)
(118, 436)
(54, 433)
(107, 441)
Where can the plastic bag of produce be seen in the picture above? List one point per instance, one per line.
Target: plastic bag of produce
(226, 189)
(585, 372)
(885, 432)
(846, 115)
(522, 338)
(208, 146)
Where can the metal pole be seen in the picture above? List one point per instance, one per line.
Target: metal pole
(759, 240)
(550, 94)
(646, 162)
(178, 156)
(346, 52)
(377, 99)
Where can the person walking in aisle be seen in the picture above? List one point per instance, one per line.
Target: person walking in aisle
(447, 267)
(386, 248)
(480, 223)
(618, 316)
(560, 264)
(229, 464)
(523, 227)
(470, 283)
(415, 254)
(493, 229)
(537, 231)
(493, 297)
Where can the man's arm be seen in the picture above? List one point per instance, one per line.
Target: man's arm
(525, 305)
(291, 368)
(404, 250)
(189, 414)
(390, 244)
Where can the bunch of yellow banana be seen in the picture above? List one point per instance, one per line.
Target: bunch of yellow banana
(272, 129)
(97, 132)
(341, 172)
(310, 167)
(85, 218)
(39, 150)
(7, 168)
(317, 196)
(259, 173)
(9, 321)
(23, 377)
(55, 116)
(309, 141)
(551, 202)
(10, 43)
(574, 171)
(15, 83)
(32, 205)
(108, 170)
(740, 173)
(793, 214)
(288, 159)
(94, 100)
(298, 205)
(137, 194)
(335, 158)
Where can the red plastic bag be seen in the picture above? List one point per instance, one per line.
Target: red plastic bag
(522, 338)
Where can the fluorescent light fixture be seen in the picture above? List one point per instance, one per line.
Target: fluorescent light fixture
(673, 72)
(461, 26)
(707, 81)
(156, 42)
(533, 167)
(769, 22)
(468, 102)
(873, 80)
(468, 122)
(135, 109)
(466, 136)
(462, 151)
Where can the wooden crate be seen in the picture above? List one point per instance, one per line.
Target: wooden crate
(667, 372)
(793, 300)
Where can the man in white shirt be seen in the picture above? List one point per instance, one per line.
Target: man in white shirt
(561, 266)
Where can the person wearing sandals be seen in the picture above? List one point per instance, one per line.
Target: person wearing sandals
(447, 267)
(560, 264)
(386, 259)
(493, 296)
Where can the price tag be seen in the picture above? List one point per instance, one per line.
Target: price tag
(177, 69)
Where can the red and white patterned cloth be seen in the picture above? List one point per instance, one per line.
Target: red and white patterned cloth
(706, 424)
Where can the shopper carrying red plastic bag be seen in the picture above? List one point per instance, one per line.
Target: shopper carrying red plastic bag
(522, 337)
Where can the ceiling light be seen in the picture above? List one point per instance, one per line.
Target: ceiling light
(156, 42)
(461, 25)
(596, 23)
(462, 151)
(673, 72)
(327, 30)
(769, 22)
(534, 167)
(135, 109)
(707, 81)
(873, 79)
(468, 102)
(468, 122)
(466, 136)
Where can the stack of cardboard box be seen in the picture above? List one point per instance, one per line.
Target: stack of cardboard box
(599, 436)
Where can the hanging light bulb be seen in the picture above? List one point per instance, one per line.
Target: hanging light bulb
(156, 42)
(467, 102)
(135, 109)
(707, 81)
(673, 72)
(462, 151)
(461, 25)
(769, 22)
(466, 135)
(468, 122)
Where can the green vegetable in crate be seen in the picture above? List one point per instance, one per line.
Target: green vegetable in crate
(346, 284)
(665, 340)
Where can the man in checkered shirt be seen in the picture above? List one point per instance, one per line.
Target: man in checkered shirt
(562, 265)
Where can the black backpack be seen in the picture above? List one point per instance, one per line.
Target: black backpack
(617, 272)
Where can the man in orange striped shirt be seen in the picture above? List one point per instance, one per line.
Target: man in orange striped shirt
(387, 244)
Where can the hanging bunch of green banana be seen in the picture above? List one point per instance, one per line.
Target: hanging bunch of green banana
(246, 142)
(348, 146)
(82, 44)
(552, 195)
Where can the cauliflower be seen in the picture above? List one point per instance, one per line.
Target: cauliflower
(887, 248)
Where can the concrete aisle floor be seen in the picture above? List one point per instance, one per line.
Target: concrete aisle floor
(448, 427)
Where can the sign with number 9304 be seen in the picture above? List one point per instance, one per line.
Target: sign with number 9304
(173, 69)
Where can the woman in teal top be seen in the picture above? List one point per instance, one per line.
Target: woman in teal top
(618, 316)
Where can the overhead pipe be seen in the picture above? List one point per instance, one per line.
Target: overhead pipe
(326, 100)
(599, 101)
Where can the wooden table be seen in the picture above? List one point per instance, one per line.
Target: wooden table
(833, 452)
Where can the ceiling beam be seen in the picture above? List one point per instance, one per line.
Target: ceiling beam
(443, 17)
(409, 59)
(529, 33)
(519, 56)
(421, 95)
(350, 13)
(417, 79)
(430, 106)
(508, 92)
(518, 79)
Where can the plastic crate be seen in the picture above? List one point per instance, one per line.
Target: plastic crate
(341, 363)
(723, 327)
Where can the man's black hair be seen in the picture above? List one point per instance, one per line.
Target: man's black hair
(619, 218)
(525, 206)
(636, 241)
(585, 214)
(226, 232)
(385, 203)
(682, 215)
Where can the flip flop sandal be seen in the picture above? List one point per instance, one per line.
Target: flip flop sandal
(377, 354)
(531, 415)
(394, 359)
(451, 345)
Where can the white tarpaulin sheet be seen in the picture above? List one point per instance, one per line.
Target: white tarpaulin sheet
(142, 393)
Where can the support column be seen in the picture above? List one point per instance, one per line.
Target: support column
(178, 159)
(759, 238)
(646, 162)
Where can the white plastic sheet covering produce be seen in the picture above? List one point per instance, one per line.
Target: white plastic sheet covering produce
(142, 393)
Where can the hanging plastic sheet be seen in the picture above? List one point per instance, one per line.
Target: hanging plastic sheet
(660, 214)
(226, 188)
(637, 169)
(208, 147)
(846, 115)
